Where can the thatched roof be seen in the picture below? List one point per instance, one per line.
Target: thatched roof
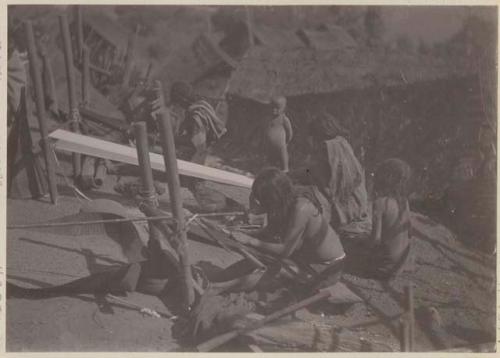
(292, 72)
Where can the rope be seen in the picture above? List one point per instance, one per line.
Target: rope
(107, 221)
(149, 197)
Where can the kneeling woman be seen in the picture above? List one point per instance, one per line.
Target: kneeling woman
(298, 227)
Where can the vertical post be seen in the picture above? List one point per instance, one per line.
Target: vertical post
(40, 108)
(129, 60)
(141, 142)
(410, 314)
(404, 335)
(174, 188)
(86, 76)
(249, 26)
(48, 79)
(79, 32)
(73, 105)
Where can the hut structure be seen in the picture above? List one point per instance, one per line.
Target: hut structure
(415, 107)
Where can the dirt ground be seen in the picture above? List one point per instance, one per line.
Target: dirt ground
(458, 283)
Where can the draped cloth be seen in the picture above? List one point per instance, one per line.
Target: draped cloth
(346, 184)
(203, 114)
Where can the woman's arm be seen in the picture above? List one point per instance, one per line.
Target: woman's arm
(293, 235)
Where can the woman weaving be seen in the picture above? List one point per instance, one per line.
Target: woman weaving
(298, 226)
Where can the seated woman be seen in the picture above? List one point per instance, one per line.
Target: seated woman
(390, 237)
(297, 228)
(336, 171)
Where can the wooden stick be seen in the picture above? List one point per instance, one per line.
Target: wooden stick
(174, 188)
(48, 75)
(79, 33)
(99, 70)
(141, 138)
(410, 314)
(111, 122)
(404, 338)
(40, 108)
(86, 145)
(226, 337)
(73, 105)
(129, 61)
(85, 76)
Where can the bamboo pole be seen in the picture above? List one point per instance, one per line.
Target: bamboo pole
(141, 139)
(129, 60)
(174, 188)
(226, 337)
(411, 316)
(404, 335)
(73, 105)
(85, 76)
(40, 108)
(79, 33)
(48, 79)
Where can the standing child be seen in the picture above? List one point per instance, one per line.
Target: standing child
(278, 133)
(391, 218)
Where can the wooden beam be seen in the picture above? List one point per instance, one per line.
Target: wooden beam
(129, 60)
(174, 188)
(148, 191)
(111, 122)
(217, 341)
(410, 313)
(85, 75)
(73, 103)
(73, 142)
(79, 32)
(99, 70)
(40, 109)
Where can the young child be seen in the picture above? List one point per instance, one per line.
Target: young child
(278, 133)
(390, 238)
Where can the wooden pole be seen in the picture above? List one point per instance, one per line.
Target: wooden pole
(174, 188)
(226, 337)
(48, 79)
(129, 60)
(85, 76)
(142, 146)
(404, 335)
(73, 105)
(40, 108)
(411, 316)
(79, 33)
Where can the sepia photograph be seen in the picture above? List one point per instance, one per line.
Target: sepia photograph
(250, 178)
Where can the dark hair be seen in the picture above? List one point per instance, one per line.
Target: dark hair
(182, 93)
(391, 178)
(275, 192)
(325, 126)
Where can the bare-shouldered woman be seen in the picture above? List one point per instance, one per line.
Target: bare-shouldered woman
(295, 216)
(391, 217)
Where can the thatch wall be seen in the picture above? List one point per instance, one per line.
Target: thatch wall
(429, 124)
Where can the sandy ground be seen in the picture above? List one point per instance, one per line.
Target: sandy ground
(457, 282)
